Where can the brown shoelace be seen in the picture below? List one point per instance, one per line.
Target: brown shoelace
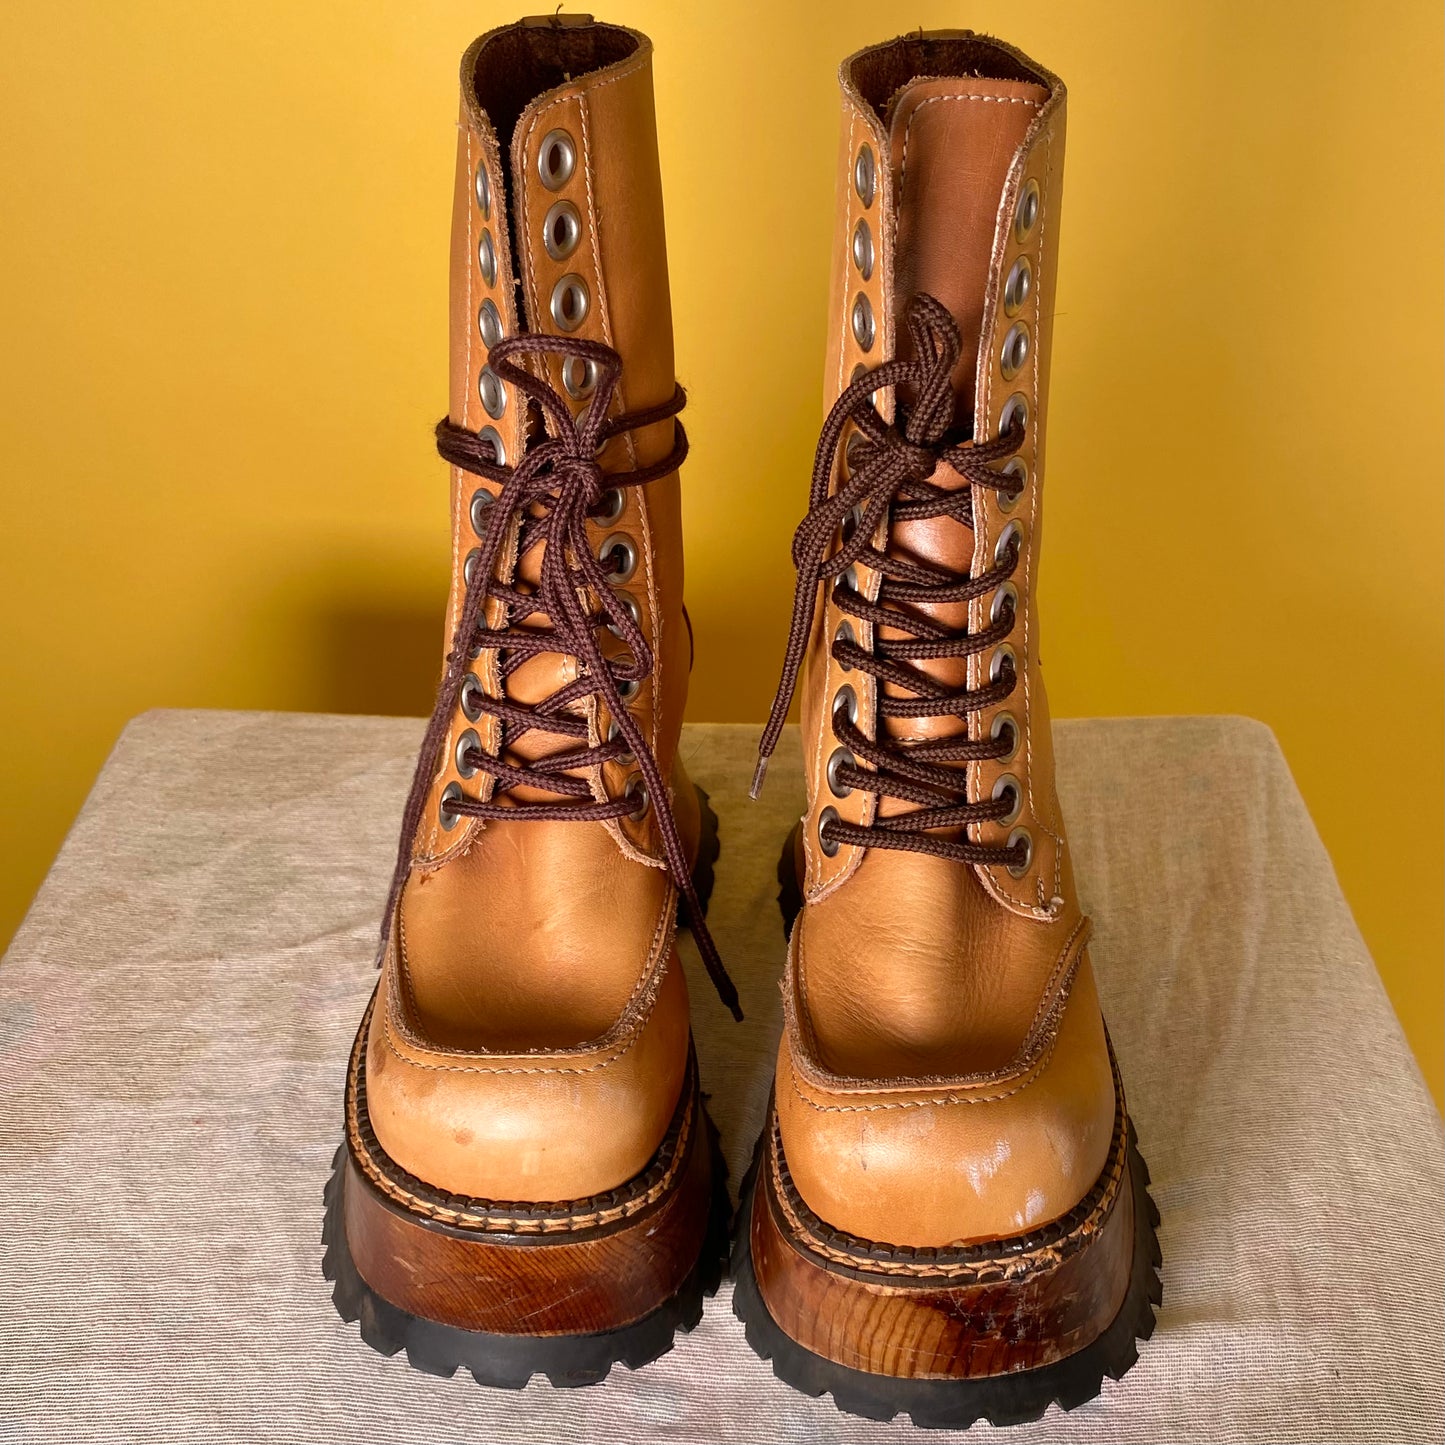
(552, 491)
(888, 481)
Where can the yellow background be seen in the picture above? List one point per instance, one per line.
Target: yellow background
(223, 252)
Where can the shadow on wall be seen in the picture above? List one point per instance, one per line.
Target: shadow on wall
(372, 655)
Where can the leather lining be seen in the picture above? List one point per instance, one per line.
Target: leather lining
(512, 67)
(880, 73)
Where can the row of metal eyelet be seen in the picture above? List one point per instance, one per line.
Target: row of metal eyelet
(493, 395)
(864, 328)
(571, 300)
(1014, 353)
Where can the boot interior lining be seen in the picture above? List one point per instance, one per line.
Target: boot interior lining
(518, 64)
(881, 73)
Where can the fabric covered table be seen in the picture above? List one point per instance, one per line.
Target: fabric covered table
(178, 1005)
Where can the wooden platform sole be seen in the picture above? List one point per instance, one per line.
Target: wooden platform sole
(507, 1289)
(996, 1331)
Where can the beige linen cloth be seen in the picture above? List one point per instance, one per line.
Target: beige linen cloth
(178, 1005)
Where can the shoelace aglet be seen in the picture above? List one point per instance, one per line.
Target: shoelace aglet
(759, 773)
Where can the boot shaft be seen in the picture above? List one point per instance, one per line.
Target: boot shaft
(948, 183)
(557, 229)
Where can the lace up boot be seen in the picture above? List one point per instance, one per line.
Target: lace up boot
(947, 1214)
(528, 1181)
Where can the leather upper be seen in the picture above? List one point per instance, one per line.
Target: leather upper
(531, 1033)
(944, 1073)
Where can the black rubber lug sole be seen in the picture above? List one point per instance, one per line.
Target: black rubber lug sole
(508, 1362)
(956, 1404)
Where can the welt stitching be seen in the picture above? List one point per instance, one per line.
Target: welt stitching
(1035, 1071)
(1049, 1252)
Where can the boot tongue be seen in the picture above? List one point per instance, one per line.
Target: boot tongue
(952, 142)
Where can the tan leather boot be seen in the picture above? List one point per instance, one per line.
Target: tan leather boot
(529, 1182)
(947, 1214)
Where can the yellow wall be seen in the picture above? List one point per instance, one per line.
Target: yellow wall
(222, 311)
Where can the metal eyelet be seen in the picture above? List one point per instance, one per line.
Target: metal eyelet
(851, 459)
(484, 191)
(636, 790)
(864, 175)
(556, 159)
(494, 437)
(840, 758)
(471, 697)
(614, 732)
(622, 546)
(1015, 351)
(1018, 286)
(451, 795)
(489, 323)
(1028, 210)
(1021, 835)
(852, 522)
(1007, 592)
(844, 634)
(1006, 782)
(845, 700)
(465, 744)
(492, 393)
(863, 329)
(630, 607)
(1017, 467)
(628, 688)
(481, 500)
(610, 506)
(859, 372)
(1016, 406)
(561, 230)
(579, 377)
(829, 846)
(1002, 720)
(849, 580)
(487, 258)
(571, 302)
(1001, 654)
(470, 565)
(863, 248)
(1013, 532)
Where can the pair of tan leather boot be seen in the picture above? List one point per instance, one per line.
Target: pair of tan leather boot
(947, 1214)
